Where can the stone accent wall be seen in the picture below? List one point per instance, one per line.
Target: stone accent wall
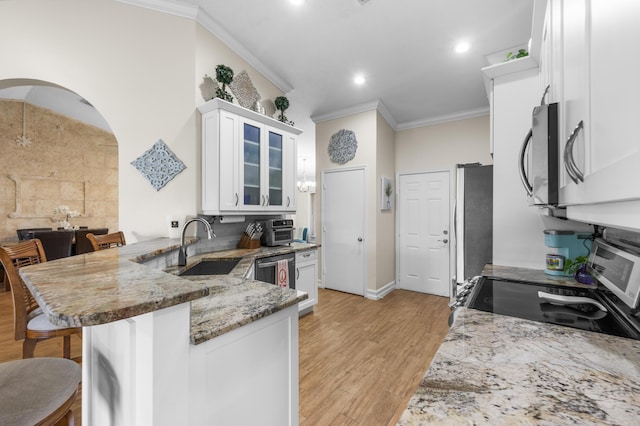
(67, 163)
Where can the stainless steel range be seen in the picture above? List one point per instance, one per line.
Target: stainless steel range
(610, 307)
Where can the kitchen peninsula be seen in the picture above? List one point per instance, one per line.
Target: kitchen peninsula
(163, 349)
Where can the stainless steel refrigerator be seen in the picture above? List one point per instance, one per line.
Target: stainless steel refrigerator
(473, 220)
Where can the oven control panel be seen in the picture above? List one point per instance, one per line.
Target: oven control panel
(463, 291)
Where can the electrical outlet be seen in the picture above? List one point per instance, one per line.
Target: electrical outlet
(175, 224)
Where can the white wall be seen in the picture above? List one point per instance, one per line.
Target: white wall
(518, 238)
(141, 70)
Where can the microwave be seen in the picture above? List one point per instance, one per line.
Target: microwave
(539, 161)
(277, 232)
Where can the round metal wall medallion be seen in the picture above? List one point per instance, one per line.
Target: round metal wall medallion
(342, 146)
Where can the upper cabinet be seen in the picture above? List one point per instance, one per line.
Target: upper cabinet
(585, 61)
(248, 161)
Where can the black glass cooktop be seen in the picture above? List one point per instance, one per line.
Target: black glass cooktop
(518, 299)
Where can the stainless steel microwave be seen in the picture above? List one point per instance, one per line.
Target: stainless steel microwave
(539, 164)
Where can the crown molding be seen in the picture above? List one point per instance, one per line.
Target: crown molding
(183, 10)
(357, 109)
(196, 13)
(444, 118)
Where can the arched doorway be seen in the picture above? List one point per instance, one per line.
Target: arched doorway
(57, 152)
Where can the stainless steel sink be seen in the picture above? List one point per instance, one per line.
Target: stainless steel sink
(213, 267)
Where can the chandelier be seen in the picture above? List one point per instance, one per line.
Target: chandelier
(305, 186)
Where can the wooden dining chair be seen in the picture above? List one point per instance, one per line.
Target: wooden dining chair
(29, 322)
(38, 391)
(101, 242)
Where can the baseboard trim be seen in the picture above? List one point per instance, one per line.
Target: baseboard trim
(381, 292)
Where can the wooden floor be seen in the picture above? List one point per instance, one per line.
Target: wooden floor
(360, 360)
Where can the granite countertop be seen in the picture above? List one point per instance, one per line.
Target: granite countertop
(530, 275)
(494, 369)
(110, 285)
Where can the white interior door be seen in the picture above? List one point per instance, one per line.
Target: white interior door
(424, 233)
(343, 244)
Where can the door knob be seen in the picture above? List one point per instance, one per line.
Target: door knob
(359, 239)
(444, 241)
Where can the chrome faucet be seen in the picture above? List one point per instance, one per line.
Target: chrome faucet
(182, 254)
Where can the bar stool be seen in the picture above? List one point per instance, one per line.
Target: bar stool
(38, 391)
(101, 242)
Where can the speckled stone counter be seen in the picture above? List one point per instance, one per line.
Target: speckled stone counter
(499, 370)
(110, 285)
(530, 275)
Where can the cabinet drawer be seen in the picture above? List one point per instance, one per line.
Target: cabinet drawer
(307, 256)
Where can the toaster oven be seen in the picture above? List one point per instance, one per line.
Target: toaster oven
(277, 232)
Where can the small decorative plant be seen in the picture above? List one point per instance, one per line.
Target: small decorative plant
(388, 189)
(282, 103)
(224, 76)
(571, 266)
(520, 54)
(62, 214)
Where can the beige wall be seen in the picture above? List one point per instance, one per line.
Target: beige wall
(67, 163)
(364, 127)
(385, 219)
(376, 152)
(439, 148)
(141, 69)
(386, 153)
(442, 146)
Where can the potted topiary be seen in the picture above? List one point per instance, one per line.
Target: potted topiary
(224, 75)
(282, 103)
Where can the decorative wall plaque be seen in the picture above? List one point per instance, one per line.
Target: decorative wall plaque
(159, 165)
(343, 146)
(244, 90)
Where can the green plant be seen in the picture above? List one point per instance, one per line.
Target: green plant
(224, 75)
(282, 103)
(571, 266)
(388, 189)
(520, 54)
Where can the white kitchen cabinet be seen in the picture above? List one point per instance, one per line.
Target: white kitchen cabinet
(307, 277)
(143, 371)
(570, 24)
(613, 169)
(248, 161)
(599, 96)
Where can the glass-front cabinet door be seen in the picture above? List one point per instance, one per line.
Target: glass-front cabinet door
(276, 162)
(251, 182)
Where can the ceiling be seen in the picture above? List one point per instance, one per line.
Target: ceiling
(404, 48)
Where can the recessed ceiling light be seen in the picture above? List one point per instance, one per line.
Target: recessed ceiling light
(297, 2)
(462, 47)
(359, 79)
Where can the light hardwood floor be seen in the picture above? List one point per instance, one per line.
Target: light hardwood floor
(360, 360)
